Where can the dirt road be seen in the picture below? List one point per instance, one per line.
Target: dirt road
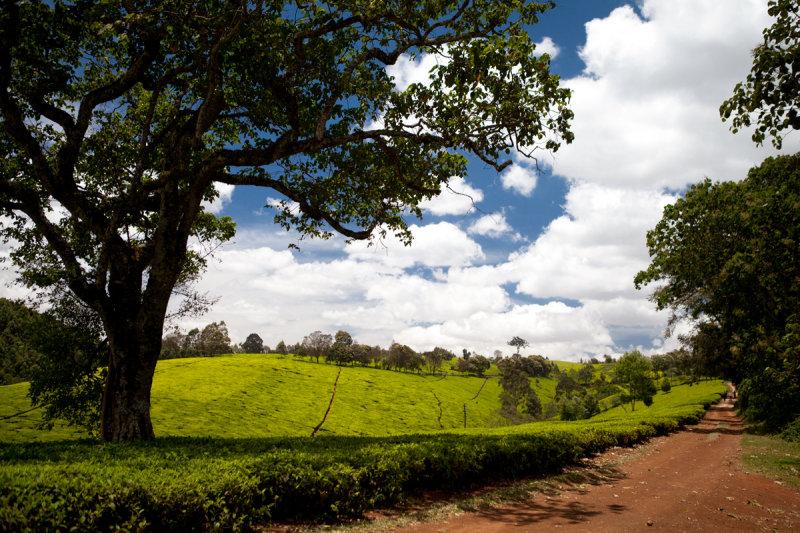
(689, 481)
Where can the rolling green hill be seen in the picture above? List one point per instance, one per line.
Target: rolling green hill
(235, 449)
(278, 395)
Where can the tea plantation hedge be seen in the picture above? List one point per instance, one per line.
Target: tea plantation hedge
(184, 484)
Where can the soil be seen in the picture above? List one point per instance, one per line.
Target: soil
(689, 481)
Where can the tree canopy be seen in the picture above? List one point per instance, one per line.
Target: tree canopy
(726, 257)
(253, 344)
(518, 343)
(633, 370)
(120, 119)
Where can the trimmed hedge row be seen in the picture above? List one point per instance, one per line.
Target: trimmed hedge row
(184, 484)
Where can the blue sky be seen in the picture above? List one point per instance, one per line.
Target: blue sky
(549, 252)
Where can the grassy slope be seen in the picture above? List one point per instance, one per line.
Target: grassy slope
(772, 457)
(23, 427)
(184, 483)
(275, 395)
(257, 396)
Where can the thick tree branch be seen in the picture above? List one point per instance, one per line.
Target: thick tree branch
(310, 209)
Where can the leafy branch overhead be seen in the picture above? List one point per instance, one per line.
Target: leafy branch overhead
(125, 115)
(770, 96)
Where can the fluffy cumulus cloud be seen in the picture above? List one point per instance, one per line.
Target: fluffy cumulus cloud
(224, 197)
(646, 106)
(520, 179)
(549, 47)
(595, 248)
(457, 198)
(435, 245)
(494, 225)
(554, 329)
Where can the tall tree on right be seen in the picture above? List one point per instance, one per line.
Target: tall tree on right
(727, 257)
(771, 91)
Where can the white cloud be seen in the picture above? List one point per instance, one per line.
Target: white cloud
(493, 225)
(224, 198)
(553, 329)
(458, 198)
(519, 178)
(9, 288)
(595, 248)
(435, 245)
(547, 46)
(272, 293)
(646, 106)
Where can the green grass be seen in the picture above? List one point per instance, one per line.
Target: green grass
(274, 395)
(234, 449)
(772, 457)
(183, 484)
(24, 427)
(277, 395)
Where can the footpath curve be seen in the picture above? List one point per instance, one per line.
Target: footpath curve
(692, 480)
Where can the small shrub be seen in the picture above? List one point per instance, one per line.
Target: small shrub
(791, 433)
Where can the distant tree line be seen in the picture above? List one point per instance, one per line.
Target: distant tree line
(213, 339)
(33, 345)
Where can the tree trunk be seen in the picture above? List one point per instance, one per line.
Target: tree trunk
(134, 346)
(126, 399)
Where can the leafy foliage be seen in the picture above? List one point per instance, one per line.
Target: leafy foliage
(60, 352)
(726, 255)
(400, 356)
(475, 364)
(317, 344)
(253, 344)
(213, 339)
(518, 397)
(435, 358)
(634, 371)
(772, 89)
(518, 343)
(16, 354)
(342, 349)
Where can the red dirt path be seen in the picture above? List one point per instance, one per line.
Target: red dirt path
(690, 481)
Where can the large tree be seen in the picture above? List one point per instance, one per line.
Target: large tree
(726, 256)
(118, 119)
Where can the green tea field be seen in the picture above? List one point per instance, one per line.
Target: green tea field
(233, 447)
(280, 395)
